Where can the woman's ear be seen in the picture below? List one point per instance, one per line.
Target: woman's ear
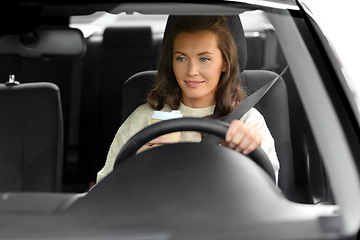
(224, 67)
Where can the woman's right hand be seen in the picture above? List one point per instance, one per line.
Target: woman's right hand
(154, 143)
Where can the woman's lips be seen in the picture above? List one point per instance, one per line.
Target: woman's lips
(193, 84)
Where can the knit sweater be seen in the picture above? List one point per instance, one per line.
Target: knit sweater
(140, 119)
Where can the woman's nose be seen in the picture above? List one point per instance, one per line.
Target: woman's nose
(193, 69)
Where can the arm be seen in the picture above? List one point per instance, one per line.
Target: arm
(250, 131)
(138, 120)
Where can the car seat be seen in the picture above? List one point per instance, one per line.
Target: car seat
(124, 52)
(53, 54)
(31, 133)
(273, 106)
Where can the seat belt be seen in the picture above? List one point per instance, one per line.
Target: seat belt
(245, 106)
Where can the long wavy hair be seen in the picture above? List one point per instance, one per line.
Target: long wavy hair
(228, 95)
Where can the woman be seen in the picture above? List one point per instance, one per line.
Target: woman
(198, 74)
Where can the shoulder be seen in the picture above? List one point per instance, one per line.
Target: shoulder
(137, 120)
(143, 109)
(140, 116)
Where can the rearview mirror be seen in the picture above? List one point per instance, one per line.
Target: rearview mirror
(45, 42)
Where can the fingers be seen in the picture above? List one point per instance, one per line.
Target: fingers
(153, 143)
(242, 137)
(159, 140)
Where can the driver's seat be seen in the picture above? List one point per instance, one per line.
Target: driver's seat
(273, 106)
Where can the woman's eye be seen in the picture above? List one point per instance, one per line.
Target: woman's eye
(180, 59)
(204, 59)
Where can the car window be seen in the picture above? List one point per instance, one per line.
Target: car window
(264, 52)
(310, 108)
(108, 65)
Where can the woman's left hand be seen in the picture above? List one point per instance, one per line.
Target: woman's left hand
(242, 137)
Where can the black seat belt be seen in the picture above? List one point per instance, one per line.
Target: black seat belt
(245, 106)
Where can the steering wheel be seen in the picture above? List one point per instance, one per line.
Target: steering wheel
(206, 125)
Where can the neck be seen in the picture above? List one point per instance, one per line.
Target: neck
(198, 103)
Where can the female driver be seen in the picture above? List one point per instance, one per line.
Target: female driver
(198, 74)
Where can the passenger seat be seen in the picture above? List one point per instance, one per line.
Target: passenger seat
(31, 119)
(31, 133)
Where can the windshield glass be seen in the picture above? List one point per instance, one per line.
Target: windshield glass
(134, 60)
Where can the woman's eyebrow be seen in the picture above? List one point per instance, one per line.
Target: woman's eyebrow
(181, 53)
(199, 54)
(204, 53)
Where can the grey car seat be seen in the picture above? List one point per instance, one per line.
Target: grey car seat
(31, 133)
(273, 106)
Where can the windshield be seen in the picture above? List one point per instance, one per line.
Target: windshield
(105, 88)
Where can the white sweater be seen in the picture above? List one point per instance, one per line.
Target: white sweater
(140, 119)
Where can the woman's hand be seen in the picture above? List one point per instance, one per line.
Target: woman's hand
(242, 137)
(154, 143)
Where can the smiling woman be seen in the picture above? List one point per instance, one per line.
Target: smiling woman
(198, 74)
(218, 39)
(198, 64)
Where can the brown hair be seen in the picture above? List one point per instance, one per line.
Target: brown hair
(228, 94)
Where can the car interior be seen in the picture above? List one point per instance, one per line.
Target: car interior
(101, 79)
(70, 76)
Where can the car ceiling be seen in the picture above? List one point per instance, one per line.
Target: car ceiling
(29, 15)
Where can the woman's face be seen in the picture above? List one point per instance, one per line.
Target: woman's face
(197, 65)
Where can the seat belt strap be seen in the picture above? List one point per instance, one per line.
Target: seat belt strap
(245, 106)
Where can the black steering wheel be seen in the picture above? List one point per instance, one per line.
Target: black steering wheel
(205, 125)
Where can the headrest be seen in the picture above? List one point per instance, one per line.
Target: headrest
(127, 37)
(11, 64)
(45, 42)
(236, 29)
